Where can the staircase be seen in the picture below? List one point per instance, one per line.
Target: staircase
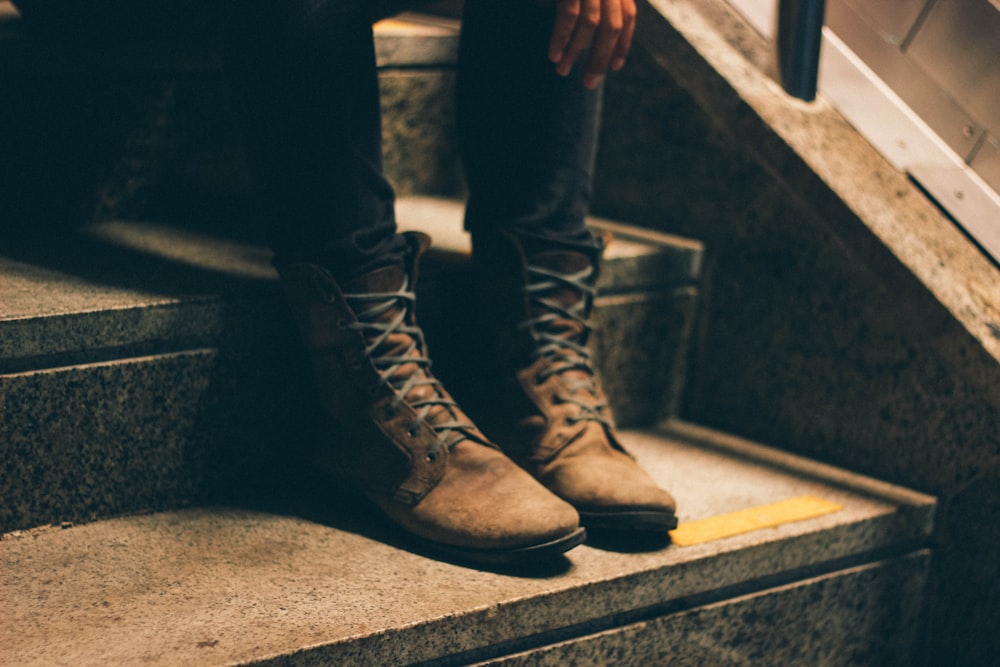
(156, 421)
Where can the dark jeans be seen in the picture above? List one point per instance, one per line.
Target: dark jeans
(303, 73)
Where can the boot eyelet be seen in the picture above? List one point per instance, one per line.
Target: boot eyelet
(413, 431)
(431, 457)
(390, 412)
(373, 390)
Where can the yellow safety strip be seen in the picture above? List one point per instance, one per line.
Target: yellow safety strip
(753, 518)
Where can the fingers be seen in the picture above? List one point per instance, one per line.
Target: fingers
(606, 27)
(567, 12)
(628, 32)
(608, 33)
(578, 21)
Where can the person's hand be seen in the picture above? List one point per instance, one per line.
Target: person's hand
(604, 26)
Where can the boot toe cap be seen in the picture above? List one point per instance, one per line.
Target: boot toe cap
(486, 502)
(618, 486)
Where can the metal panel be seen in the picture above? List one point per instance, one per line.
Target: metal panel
(891, 19)
(987, 162)
(904, 111)
(908, 143)
(958, 45)
(921, 93)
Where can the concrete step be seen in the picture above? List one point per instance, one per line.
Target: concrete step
(836, 578)
(144, 366)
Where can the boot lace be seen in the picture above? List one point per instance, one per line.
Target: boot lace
(397, 350)
(565, 353)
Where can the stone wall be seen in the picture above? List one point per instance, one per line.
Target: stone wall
(844, 318)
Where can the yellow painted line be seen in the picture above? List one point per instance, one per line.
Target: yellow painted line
(753, 518)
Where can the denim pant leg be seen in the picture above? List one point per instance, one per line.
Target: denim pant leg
(304, 73)
(528, 135)
(123, 19)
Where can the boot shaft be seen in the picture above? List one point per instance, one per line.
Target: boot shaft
(396, 424)
(541, 296)
(537, 291)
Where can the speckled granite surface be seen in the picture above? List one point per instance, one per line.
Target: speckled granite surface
(102, 439)
(867, 615)
(147, 345)
(640, 347)
(319, 580)
(420, 157)
(845, 317)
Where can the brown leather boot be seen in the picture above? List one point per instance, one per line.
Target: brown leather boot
(401, 438)
(550, 413)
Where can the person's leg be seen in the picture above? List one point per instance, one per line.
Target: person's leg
(303, 72)
(529, 139)
(122, 20)
(309, 85)
(528, 135)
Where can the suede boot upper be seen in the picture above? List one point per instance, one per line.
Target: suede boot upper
(551, 415)
(399, 436)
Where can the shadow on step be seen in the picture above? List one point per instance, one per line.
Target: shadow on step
(145, 257)
(298, 490)
(626, 542)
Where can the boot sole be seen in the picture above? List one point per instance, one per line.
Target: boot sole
(632, 521)
(533, 554)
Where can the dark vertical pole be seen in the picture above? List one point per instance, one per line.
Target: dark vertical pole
(800, 31)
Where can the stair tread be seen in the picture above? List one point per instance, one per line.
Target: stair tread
(133, 354)
(235, 586)
(120, 284)
(120, 267)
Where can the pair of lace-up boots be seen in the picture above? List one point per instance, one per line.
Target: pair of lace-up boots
(552, 465)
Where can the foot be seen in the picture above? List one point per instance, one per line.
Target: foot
(550, 413)
(401, 439)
